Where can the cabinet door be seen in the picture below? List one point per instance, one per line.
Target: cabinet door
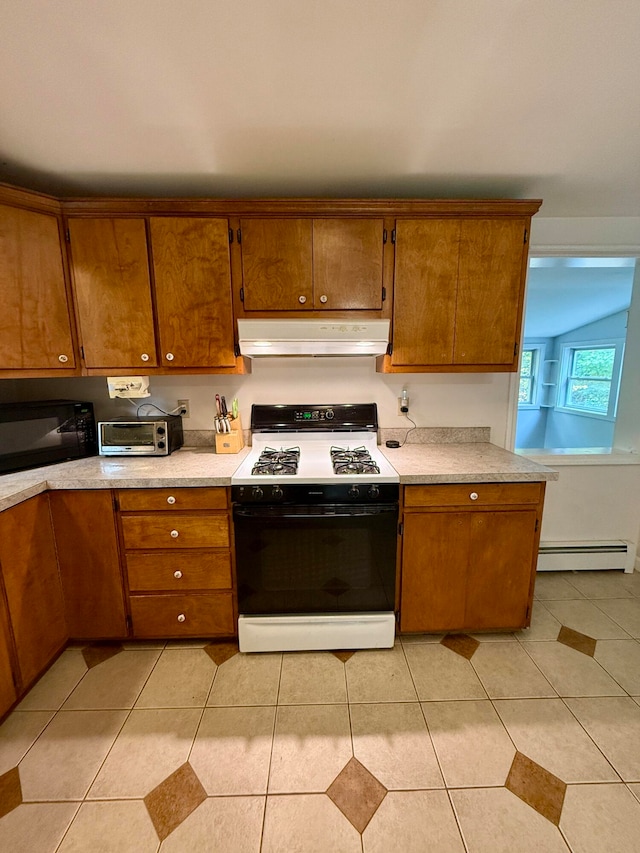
(32, 583)
(35, 329)
(8, 694)
(86, 539)
(193, 291)
(425, 287)
(277, 264)
(435, 554)
(502, 552)
(490, 291)
(113, 292)
(347, 263)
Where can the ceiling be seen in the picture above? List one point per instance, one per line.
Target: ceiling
(408, 98)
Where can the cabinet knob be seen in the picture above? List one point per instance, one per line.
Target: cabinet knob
(63, 358)
(474, 496)
(182, 617)
(177, 574)
(169, 356)
(323, 298)
(145, 356)
(302, 299)
(171, 499)
(174, 534)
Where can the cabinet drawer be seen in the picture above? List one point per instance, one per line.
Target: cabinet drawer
(171, 499)
(204, 615)
(473, 494)
(156, 570)
(169, 530)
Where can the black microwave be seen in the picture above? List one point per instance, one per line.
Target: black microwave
(45, 432)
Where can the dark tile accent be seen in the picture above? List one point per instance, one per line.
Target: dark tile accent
(173, 800)
(461, 644)
(576, 640)
(343, 656)
(538, 788)
(356, 793)
(10, 791)
(97, 653)
(221, 652)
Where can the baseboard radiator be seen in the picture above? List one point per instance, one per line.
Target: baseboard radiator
(586, 555)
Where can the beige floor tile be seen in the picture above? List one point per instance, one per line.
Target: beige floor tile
(635, 790)
(472, 745)
(440, 673)
(380, 676)
(624, 611)
(544, 626)
(585, 617)
(36, 827)
(614, 724)
(597, 818)
(247, 679)
(182, 678)
(493, 820)
(408, 639)
(507, 672)
(312, 678)
(152, 744)
(554, 585)
(220, 825)
(311, 745)
(66, 757)
(547, 732)
(232, 750)
(406, 819)
(632, 581)
(607, 584)
(392, 742)
(18, 733)
(115, 827)
(495, 637)
(571, 672)
(56, 684)
(307, 823)
(621, 659)
(116, 683)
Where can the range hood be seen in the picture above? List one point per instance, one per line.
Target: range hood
(312, 337)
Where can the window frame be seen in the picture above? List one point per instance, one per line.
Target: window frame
(567, 350)
(537, 363)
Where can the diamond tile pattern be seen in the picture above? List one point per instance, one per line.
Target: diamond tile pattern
(194, 746)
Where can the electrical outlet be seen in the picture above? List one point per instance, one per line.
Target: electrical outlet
(184, 408)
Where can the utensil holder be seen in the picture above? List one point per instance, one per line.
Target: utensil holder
(230, 442)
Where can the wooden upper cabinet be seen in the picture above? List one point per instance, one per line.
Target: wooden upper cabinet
(192, 274)
(35, 325)
(458, 293)
(312, 264)
(113, 292)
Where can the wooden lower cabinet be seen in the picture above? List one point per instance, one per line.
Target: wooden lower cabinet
(32, 584)
(89, 560)
(469, 556)
(177, 551)
(8, 692)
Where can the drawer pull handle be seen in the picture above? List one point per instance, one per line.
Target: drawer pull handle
(171, 499)
(177, 573)
(474, 496)
(174, 534)
(182, 617)
(145, 356)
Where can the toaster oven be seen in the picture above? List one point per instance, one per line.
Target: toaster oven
(142, 436)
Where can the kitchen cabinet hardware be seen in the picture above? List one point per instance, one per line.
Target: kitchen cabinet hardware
(63, 359)
(171, 499)
(145, 356)
(174, 534)
(323, 298)
(182, 617)
(177, 574)
(302, 299)
(474, 496)
(169, 356)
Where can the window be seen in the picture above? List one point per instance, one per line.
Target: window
(591, 378)
(530, 363)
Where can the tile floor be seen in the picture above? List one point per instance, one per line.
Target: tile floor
(497, 742)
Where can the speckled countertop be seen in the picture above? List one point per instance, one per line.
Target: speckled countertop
(417, 462)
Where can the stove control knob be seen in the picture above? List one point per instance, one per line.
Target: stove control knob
(276, 492)
(374, 492)
(257, 493)
(329, 414)
(354, 492)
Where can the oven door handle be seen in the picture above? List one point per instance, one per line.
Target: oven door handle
(312, 511)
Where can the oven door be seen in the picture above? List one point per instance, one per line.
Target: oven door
(323, 559)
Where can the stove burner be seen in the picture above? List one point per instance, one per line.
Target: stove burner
(272, 461)
(355, 461)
